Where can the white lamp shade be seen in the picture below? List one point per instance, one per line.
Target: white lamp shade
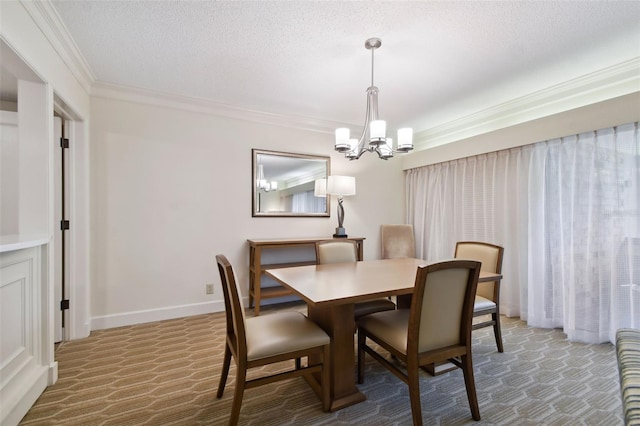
(378, 129)
(405, 139)
(342, 139)
(320, 189)
(341, 185)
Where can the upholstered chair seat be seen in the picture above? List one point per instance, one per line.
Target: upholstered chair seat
(484, 303)
(370, 306)
(269, 335)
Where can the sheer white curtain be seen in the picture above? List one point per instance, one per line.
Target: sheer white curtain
(306, 202)
(567, 212)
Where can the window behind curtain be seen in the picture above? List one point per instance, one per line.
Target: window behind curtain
(305, 202)
(567, 212)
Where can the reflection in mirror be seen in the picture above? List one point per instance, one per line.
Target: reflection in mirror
(283, 184)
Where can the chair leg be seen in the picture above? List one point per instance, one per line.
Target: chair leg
(225, 371)
(237, 396)
(469, 382)
(326, 378)
(298, 363)
(496, 331)
(361, 341)
(413, 380)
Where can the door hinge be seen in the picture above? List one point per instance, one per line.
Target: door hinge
(64, 304)
(64, 143)
(64, 225)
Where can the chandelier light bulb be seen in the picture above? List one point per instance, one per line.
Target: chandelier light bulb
(378, 131)
(405, 139)
(342, 139)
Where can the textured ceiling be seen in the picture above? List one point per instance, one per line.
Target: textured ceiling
(438, 60)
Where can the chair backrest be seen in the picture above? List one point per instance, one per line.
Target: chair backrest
(442, 305)
(234, 309)
(336, 251)
(490, 255)
(397, 241)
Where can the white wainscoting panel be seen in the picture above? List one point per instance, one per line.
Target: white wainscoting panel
(24, 367)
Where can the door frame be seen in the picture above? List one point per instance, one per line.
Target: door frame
(77, 322)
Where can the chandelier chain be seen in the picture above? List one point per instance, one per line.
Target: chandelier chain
(372, 52)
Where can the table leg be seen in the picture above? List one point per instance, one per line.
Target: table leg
(338, 323)
(403, 301)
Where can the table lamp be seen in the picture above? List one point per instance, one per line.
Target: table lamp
(341, 186)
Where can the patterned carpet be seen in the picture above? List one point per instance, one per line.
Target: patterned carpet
(166, 373)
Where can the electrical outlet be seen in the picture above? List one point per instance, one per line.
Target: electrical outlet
(209, 288)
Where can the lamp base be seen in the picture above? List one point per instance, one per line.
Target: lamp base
(340, 233)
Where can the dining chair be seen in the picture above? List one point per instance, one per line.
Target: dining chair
(487, 301)
(338, 251)
(397, 241)
(267, 339)
(436, 328)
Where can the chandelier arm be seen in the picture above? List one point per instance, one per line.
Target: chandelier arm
(365, 129)
(362, 147)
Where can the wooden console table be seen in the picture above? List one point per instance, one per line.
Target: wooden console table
(257, 268)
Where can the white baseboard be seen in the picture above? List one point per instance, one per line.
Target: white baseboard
(53, 373)
(159, 314)
(18, 398)
(80, 332)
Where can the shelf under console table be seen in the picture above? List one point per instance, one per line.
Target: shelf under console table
(257, 268)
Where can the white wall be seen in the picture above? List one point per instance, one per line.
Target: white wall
(9, 172)
(172, 188)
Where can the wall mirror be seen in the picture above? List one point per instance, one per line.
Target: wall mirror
(283, 184)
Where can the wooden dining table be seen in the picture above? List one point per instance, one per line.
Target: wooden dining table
(331, 290)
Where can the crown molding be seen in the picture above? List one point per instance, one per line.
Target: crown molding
(601, 115)
(204, 106)
(607, 83)
(48, 20)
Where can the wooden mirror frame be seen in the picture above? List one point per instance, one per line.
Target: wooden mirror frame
(291, 171)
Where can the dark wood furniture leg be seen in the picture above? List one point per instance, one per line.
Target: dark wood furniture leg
(338, 323)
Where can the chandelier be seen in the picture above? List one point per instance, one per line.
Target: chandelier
(373, 138)
(262, 183)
